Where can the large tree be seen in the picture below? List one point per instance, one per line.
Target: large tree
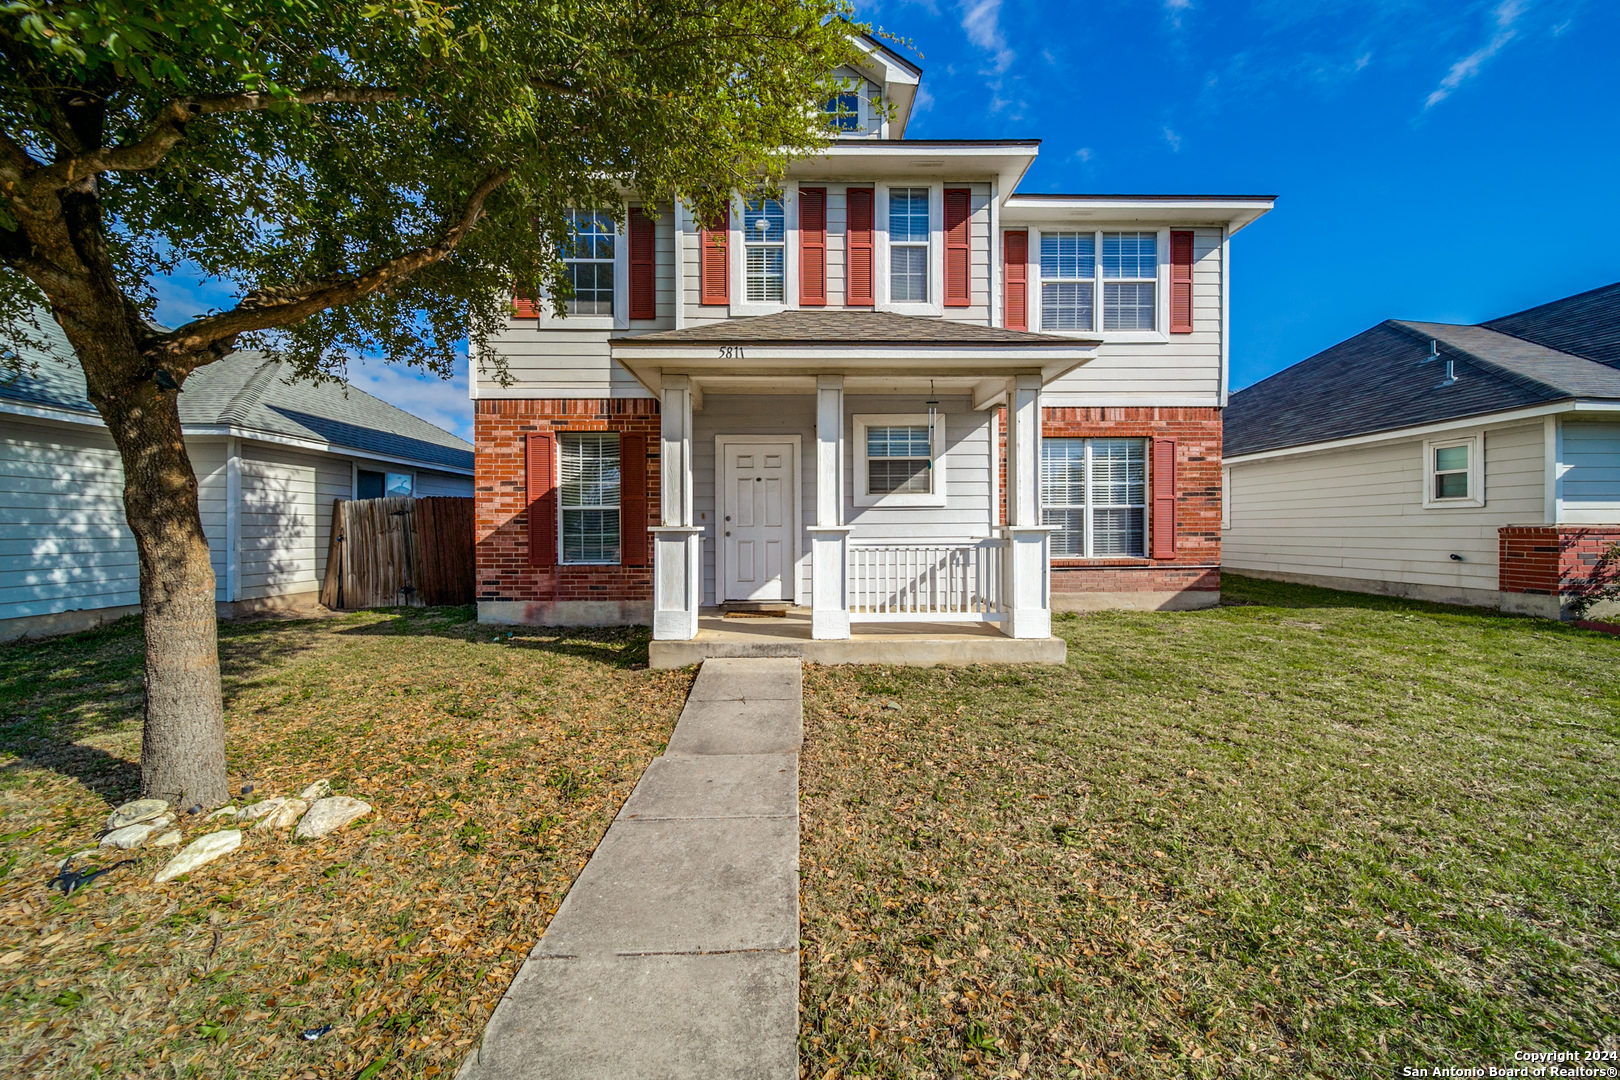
(368, 178)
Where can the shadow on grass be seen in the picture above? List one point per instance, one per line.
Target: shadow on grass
(623, 647)
(112, 779)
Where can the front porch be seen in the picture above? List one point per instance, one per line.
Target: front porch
(851, 466)
(910, 644)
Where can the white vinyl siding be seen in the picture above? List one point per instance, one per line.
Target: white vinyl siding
(278, 526)
(1357, 516)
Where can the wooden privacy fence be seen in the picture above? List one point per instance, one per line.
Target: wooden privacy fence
(399, 552)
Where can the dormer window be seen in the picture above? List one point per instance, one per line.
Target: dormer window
(844, 111)
(765, 251)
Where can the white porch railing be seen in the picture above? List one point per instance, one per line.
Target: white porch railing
(901, 582)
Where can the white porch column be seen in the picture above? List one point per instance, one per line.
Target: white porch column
(829, 537)
(1026, 568)
(677, 567)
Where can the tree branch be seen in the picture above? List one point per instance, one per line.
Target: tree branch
(169, 128)
(264, 309)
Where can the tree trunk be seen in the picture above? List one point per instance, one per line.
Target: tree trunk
(183, 738)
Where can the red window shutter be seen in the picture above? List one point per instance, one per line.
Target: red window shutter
(958, 212)
(858, 249)
(1164, 498)
(632, 500)
(715, 273)
(812, 247)
(1015, 274)
(541, 482)
(525, 305)
(1181, 282)
(643, 266)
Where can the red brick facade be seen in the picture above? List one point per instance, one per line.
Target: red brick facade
(502, 521)
(1196, 566)
(1550, 560)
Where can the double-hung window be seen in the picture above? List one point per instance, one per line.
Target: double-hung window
(899, 460)
(764, 236)
(908, 245)
(1130, 264)
(1095, 492)
(590, 497)
(589, 261)
(1454, 474)
(1068, 280)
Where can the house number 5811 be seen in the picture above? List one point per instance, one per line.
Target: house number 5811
(731, 352)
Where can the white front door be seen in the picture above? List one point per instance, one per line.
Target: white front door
(756, 511)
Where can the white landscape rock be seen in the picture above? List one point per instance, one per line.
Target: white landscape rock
(133, 812)
(329, 815)
(223, 812)
(283, 816)
(168, 839)
(129, 837)
(320, 789)
(261, 809)
(200, 852)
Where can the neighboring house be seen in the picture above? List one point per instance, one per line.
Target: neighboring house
(270, 456)
(903, 391)
(1466, 464)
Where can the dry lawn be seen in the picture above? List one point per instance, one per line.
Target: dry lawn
(1317, 834)
(494, 764)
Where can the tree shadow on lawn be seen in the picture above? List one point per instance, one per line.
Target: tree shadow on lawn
(622, 647)
(113, 779)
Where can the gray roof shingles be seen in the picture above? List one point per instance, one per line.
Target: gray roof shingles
(812, 327)
(250, 391)
(1586, 324)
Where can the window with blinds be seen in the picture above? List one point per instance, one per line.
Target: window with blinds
(1130, 270)
(1068, 280)
(589, 262)
(908, 245)
(899, 460)
(1095, 492)
(590, 497)
(765, 251)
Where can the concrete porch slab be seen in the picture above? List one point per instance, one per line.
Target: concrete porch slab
(905, 644)
(664, 886)
(719, 1016)
(715, 785)
(739, 727)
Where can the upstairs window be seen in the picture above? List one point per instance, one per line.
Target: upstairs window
(844, 111)
(1068, 280)
(908, 245)
(590, 497)
(589, 262)
(765, 251)
(1130, 276)
(1095, 492)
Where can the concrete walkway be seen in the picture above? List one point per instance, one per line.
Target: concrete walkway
(676, 953)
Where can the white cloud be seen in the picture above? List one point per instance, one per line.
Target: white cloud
(438, 401)
(1083, 154)
(981, 20)
(1175, 9)
(1506, 14)
(1173, 139)
(923, 102)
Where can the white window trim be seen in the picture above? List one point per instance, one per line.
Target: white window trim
(737, 268)
(556, 484)
(1476, 472)
(620, 319)
(936, 474)
(936, 250)
(1161, 289)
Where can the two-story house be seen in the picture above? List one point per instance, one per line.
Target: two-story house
(901, 393)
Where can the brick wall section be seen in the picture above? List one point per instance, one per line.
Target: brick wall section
(1198, 499)
(1548, 560)
(500, 488)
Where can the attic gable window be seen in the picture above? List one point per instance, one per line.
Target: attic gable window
(764, 229)
(589, 262)
(844, 111)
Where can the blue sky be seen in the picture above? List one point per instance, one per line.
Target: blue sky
(1437, 161)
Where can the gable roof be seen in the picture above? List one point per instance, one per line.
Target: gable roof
(1384, 379)
(814, 326)
(253, 393)
(1586, 324)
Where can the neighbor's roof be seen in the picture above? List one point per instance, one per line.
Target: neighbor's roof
(1587, 324)
(1384, 379)
(843, 329)
(249, 391)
